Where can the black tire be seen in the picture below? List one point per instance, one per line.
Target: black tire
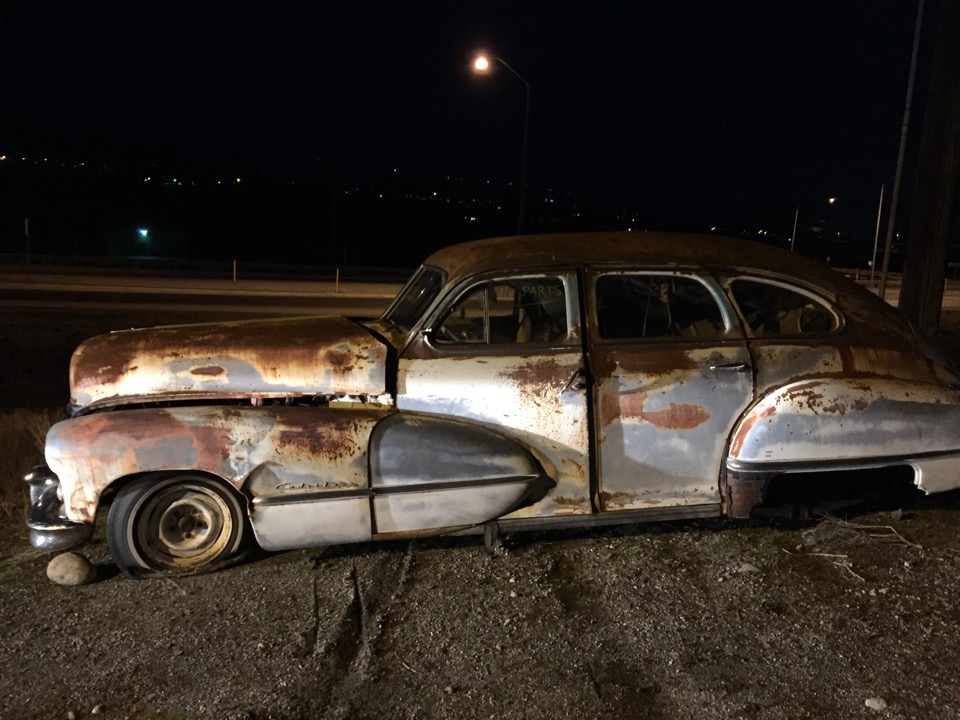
(176, 525)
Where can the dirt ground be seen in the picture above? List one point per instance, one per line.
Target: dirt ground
(678, 620)
(852, 618)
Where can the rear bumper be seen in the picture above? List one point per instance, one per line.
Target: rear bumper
(50, 529)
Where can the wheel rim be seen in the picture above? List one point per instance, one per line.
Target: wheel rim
(183, 526)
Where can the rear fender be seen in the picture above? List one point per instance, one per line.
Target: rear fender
(847, 419)
(834, 424)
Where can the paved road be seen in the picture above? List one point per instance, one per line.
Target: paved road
(44, 317)
(176, 295)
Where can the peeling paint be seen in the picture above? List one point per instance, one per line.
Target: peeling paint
(211, 370)
(281, 358)
(617, 500)
(676, 416)
(299, 446)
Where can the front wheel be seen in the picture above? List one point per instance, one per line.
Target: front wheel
(175, 525)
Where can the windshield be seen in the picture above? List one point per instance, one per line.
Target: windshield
(414, 299)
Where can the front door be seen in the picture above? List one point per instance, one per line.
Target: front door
(506, 353)
(672, 373)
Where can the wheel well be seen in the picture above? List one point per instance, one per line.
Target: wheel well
(870, 485)
(110, 492)
(775, 492)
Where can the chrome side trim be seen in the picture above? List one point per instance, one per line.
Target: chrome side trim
(618, 517)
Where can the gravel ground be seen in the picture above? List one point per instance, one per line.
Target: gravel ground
(678, 620)
(851, 618)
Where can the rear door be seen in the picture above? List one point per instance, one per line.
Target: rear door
(672, 373)
(790, 330)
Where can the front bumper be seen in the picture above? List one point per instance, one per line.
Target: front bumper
(50, 529)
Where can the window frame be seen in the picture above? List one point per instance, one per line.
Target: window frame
(405, 298)
(733, 329)
(569, 282)
(728, 280)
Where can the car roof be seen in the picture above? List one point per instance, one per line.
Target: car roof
(717, 252)
(649, 248)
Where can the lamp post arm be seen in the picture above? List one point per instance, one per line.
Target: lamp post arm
(516, 74)
(876, 234)
(793, 235)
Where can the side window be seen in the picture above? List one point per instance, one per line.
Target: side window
(656, 306)
(769, 309)
(518, 310)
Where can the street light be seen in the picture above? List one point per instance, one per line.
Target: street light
(483, 65)
(796, 214)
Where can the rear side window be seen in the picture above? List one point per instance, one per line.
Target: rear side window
(635, 306)
(771, 309)
(516, 310)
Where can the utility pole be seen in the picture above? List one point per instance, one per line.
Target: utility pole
(936, 201)
(904, 131)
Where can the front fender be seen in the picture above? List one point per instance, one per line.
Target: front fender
(299, 445)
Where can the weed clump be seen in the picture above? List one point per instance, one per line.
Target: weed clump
(22, 434)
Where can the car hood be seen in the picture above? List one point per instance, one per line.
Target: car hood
(260, 358)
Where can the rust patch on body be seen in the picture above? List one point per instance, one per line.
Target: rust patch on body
(416, 534)
(571, 506)
(208, 370)
(676, 416)
(340, 360)
(806, 394)
(649, 361)
(617, 500)
(333, 440)
(539, 373)
(645, 360)
(314, 355)
(746, 426)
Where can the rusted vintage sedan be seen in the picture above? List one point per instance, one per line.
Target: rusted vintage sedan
(514, 383)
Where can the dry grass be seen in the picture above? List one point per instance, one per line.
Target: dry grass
(22, 432)
(832, 532)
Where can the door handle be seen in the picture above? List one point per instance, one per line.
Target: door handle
(577, 381)
(731, 367)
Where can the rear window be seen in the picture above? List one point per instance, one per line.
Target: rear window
(772, 309)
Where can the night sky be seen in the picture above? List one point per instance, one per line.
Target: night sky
(737, 110)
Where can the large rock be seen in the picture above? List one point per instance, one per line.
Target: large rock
(71, 568)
